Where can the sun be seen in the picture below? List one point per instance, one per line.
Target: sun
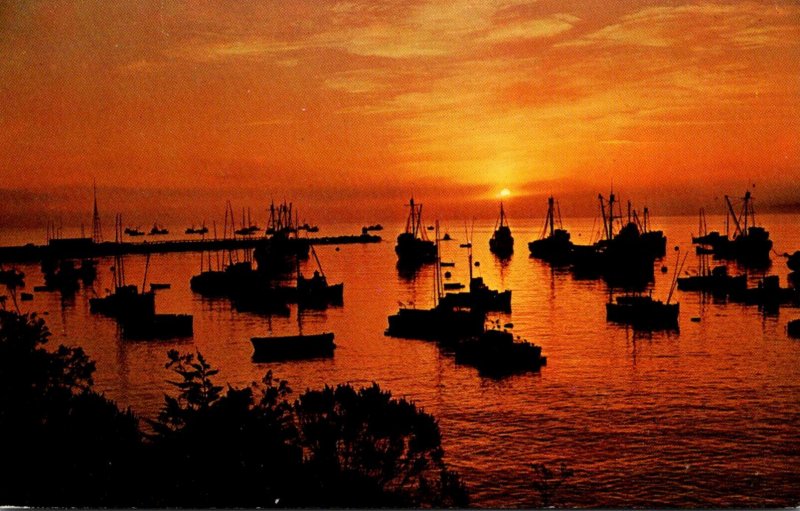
(505, 192)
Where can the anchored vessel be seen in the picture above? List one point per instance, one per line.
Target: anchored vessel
(502, 243)
(750, 244)
(496, 352)
(554, 244)
(413, 246)
(293, 347)
(643, 312)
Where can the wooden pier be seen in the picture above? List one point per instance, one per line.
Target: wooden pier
(85, 247)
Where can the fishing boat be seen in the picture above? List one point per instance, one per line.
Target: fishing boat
(134, 310)
(443, 322)
(130, 231)
(502, 243)
(554, 244)
(479, 297)
(496, 352)
(716, 281)
(293, 347)
(277, 253)
(654, 241)
(413, 246)
(158, 230)
(622, 257)
(124, 302)
(246, 229)
(374, 227)
(155, 286)
(200, 230)
(767, 293)
(315, 292)
(749, 245)
(643, 312)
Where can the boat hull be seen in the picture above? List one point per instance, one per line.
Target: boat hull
(435, 324)
(293, 347)
(643, 314)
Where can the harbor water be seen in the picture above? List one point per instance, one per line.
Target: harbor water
(705, 416)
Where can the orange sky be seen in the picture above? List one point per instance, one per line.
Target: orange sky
(362, 103)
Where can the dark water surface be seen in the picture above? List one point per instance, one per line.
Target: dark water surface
(709, 416)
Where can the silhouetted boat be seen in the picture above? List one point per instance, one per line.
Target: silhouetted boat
(793, 328)
(441, 323)
(716, 281)
(479, 297)
(750, 244)
(654, 241)
(158, 230)
(125, 302)
(134, 310)
(496, 352)
(156, 286)
(277, 253)
(643, 312)
(293, 346)
(502, 243)
(246, 229)
(768, 293)
(199, 230)
(413, 247)
(438, 323)
(133, 232)
(446, 237)
(308, 228)
(316, 292)
(621, 258)
(375, 227)
(554, 244)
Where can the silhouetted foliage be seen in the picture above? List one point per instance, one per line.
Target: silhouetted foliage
(62, 443)
(209, 446)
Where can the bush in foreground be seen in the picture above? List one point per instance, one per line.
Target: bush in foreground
(210, 446)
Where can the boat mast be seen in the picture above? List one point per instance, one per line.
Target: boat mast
(735, 218)
(605, 220)
(97, 230)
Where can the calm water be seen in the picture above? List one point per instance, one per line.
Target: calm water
(709, 416)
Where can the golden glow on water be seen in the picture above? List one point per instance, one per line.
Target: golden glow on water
(704, 417)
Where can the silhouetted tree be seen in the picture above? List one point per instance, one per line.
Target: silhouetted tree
(384, 450)
(66, 445)
(61, 442)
